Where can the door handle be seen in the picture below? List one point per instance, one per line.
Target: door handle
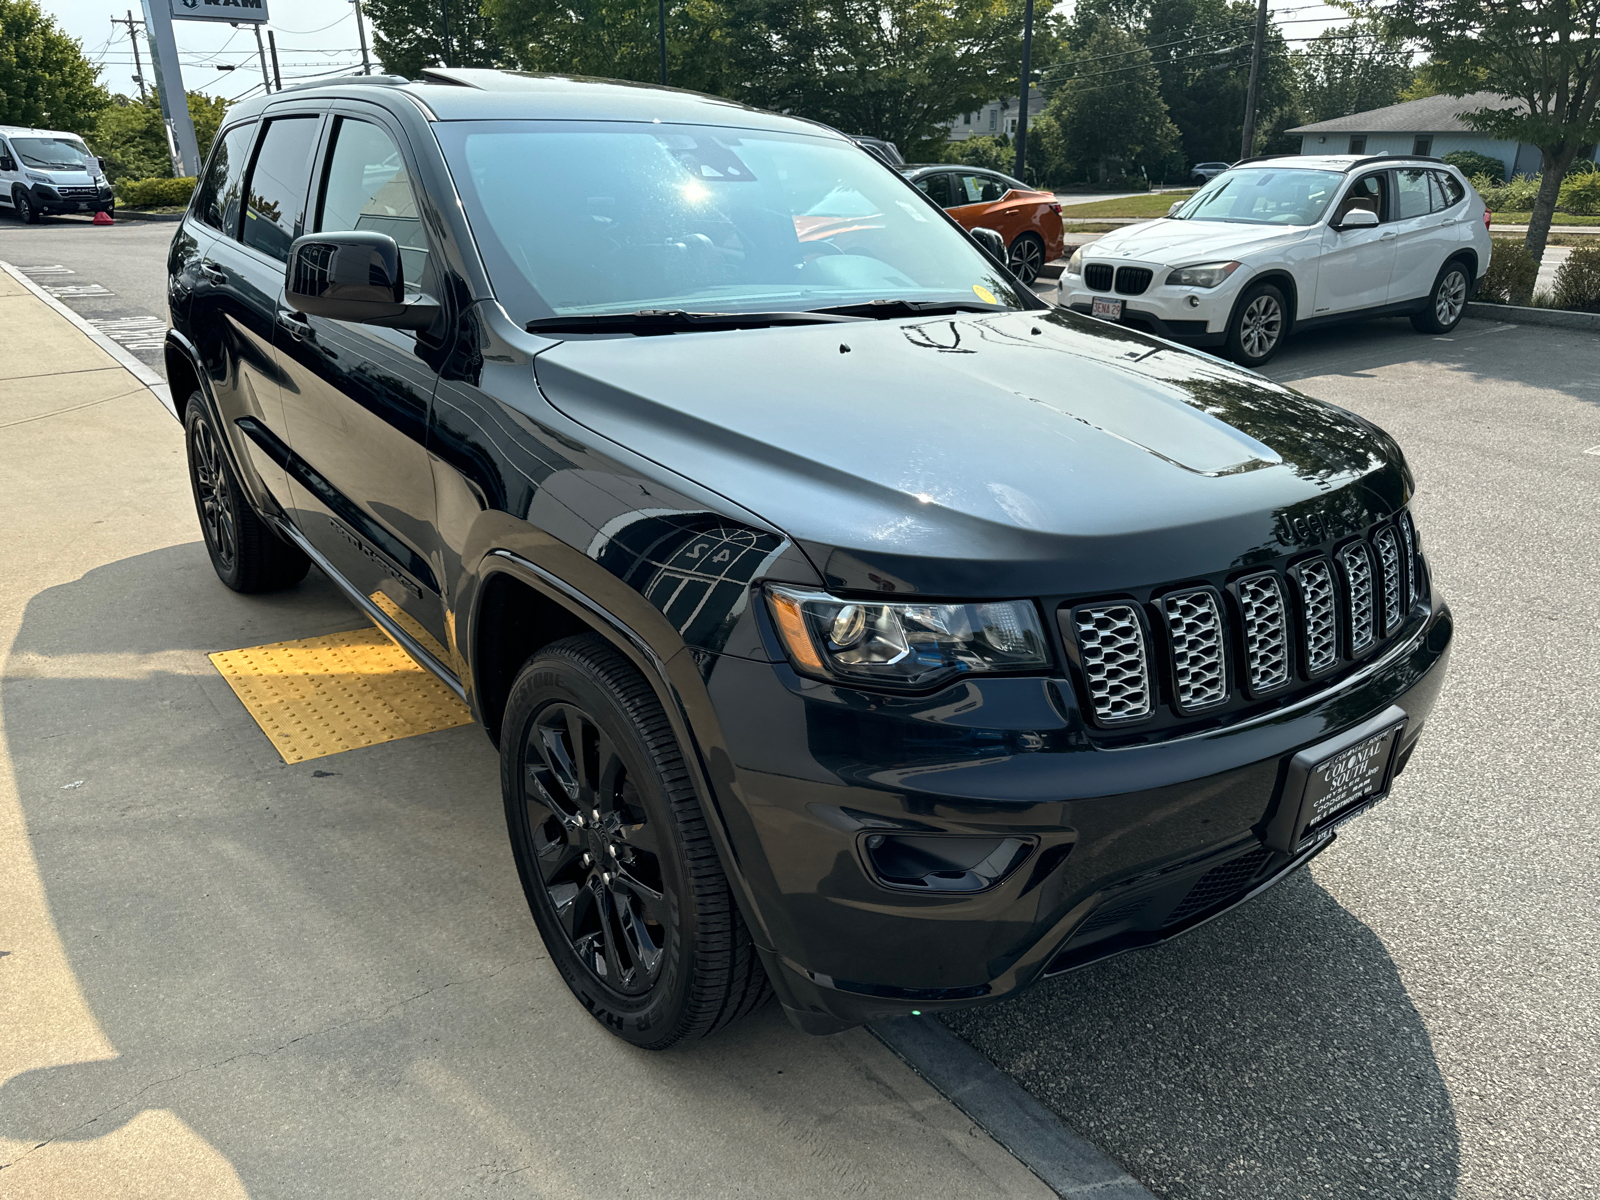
(211, 273)
(295, 324)
(1388, 237)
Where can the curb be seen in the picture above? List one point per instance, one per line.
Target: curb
(1517, 314)
(1578, 229)
(1066, 1163)
(126, 214)
(125, 360)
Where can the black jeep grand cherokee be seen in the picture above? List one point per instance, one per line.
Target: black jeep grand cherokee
(850, 623)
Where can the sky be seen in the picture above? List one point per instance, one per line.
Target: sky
(319, 36)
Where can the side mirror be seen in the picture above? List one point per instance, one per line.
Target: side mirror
(8, 163)
(991, 240)
(1175, 207)
(1359, 218)
(353, 276)
(101, 163)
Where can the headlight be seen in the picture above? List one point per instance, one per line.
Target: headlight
(1075, 263)
(38, 178)
(905, 645)
(1205, 275)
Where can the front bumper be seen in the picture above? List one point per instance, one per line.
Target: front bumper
(1193, 316)
(57, 200)
(1124, 847)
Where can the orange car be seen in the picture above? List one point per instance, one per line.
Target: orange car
(1028, 219)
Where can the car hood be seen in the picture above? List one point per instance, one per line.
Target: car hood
(1024, 453)
(1176, 243)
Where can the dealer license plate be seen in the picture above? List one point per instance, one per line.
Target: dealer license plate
(1111, 310)
(1349, 777)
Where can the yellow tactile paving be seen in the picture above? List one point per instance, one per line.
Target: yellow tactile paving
(411, 625)
(324, 695)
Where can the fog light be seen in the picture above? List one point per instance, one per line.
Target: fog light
(1194, 301)
(942, 863)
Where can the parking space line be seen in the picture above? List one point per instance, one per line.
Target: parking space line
(325, 695)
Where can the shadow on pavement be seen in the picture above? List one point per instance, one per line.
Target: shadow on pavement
(1273, 1053)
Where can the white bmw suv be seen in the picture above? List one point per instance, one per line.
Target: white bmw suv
(1286, 243)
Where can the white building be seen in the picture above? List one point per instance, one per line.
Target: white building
(995, 117)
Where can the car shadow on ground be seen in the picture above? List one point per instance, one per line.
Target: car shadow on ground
(1272, 1053)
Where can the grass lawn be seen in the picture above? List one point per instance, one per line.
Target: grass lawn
(1153, 205)
(1516, 218)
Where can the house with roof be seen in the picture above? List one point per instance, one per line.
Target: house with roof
(1430, 126)
(995, 117)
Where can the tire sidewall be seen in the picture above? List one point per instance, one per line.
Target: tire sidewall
(25, 210)
(1022, 239)
(651, 1018)
(1430, 315)
(194, 416)
(1236, 325)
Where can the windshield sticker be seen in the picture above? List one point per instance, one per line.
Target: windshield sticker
(984, 294)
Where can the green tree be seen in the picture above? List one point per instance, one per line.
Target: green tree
(1106, 115)
(614, 39)
(1543, 54)
(1352, 69)
(44, 78)
(895, 69)
(131, 136)
(408, 35)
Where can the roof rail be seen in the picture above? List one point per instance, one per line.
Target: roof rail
(1372, 158)
(344, 80)
(451, 75)
(1264, 158)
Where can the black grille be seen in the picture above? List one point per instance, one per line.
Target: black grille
(1111, 914)
(1132, 281)
(1282, 626)
(77, 193)
(1220, 884)
(1097, 277)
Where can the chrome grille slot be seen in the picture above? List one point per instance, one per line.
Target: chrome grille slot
(1116, 664)
(1132, 281)
(1388, 547)
(1266, 631)
(1097, 277)
(1199, 671)
(1317, 615)
(1357, 566)
(1408, 534)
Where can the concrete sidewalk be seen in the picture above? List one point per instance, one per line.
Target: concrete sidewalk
(223, 976)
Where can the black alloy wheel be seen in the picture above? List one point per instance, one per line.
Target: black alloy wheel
(26, 213)
(1026, 258)
(246, 553)
(1447, 301)
(615, 857)
(1258, 325)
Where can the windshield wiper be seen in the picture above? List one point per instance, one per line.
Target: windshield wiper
(673, 320)
(877, 310)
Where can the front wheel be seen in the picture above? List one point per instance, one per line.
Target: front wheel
(1256, 329)
(614, 852)
(1446, 303)
(1026, 258)
(26, 212)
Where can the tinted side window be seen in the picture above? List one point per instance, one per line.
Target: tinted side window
(220, 190)
(937, 188)
(1451, 186)
(1411, 193)
(367, 187)
(278, 184)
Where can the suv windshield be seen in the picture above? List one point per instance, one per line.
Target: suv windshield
(1263, 196)
(53, 154)
(584, 217)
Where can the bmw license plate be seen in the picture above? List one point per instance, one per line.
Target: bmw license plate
(1343, 781)
(1111, 310)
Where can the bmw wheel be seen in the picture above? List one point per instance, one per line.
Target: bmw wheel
(614, 851)
(1447, 302)
(1026, 258)
(1259, 322)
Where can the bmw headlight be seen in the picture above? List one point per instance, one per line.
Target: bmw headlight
(1075, 263)
(1204, 275)
(905, 645)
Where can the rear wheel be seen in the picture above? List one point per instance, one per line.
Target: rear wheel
(247, 555)
(26, 212)
(1256, 329)
(1026, 257)
(1447, 302)
(614, 852)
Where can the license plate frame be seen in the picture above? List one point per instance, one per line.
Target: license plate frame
(1336, 780)
(1105, 308)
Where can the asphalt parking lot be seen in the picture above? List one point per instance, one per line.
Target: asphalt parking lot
(232, 976)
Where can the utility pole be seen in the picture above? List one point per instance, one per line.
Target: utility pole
(1248, 141)
(1027, 83)
(133, 36)
(444, 13)
(661, 36)
(261, 49)
(277, 75)
(361, 32)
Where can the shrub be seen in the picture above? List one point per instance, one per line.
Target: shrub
(1511, 275)
(1578, 279)
(155, 193)
(992, 152)
(1472, 164)
(1580, 194)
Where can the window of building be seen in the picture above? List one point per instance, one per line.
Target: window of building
(1358, 145)
(966, 118)
(1422, 146)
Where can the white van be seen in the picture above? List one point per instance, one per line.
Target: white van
(50, 171)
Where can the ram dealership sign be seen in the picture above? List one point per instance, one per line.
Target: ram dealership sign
(254, 11)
